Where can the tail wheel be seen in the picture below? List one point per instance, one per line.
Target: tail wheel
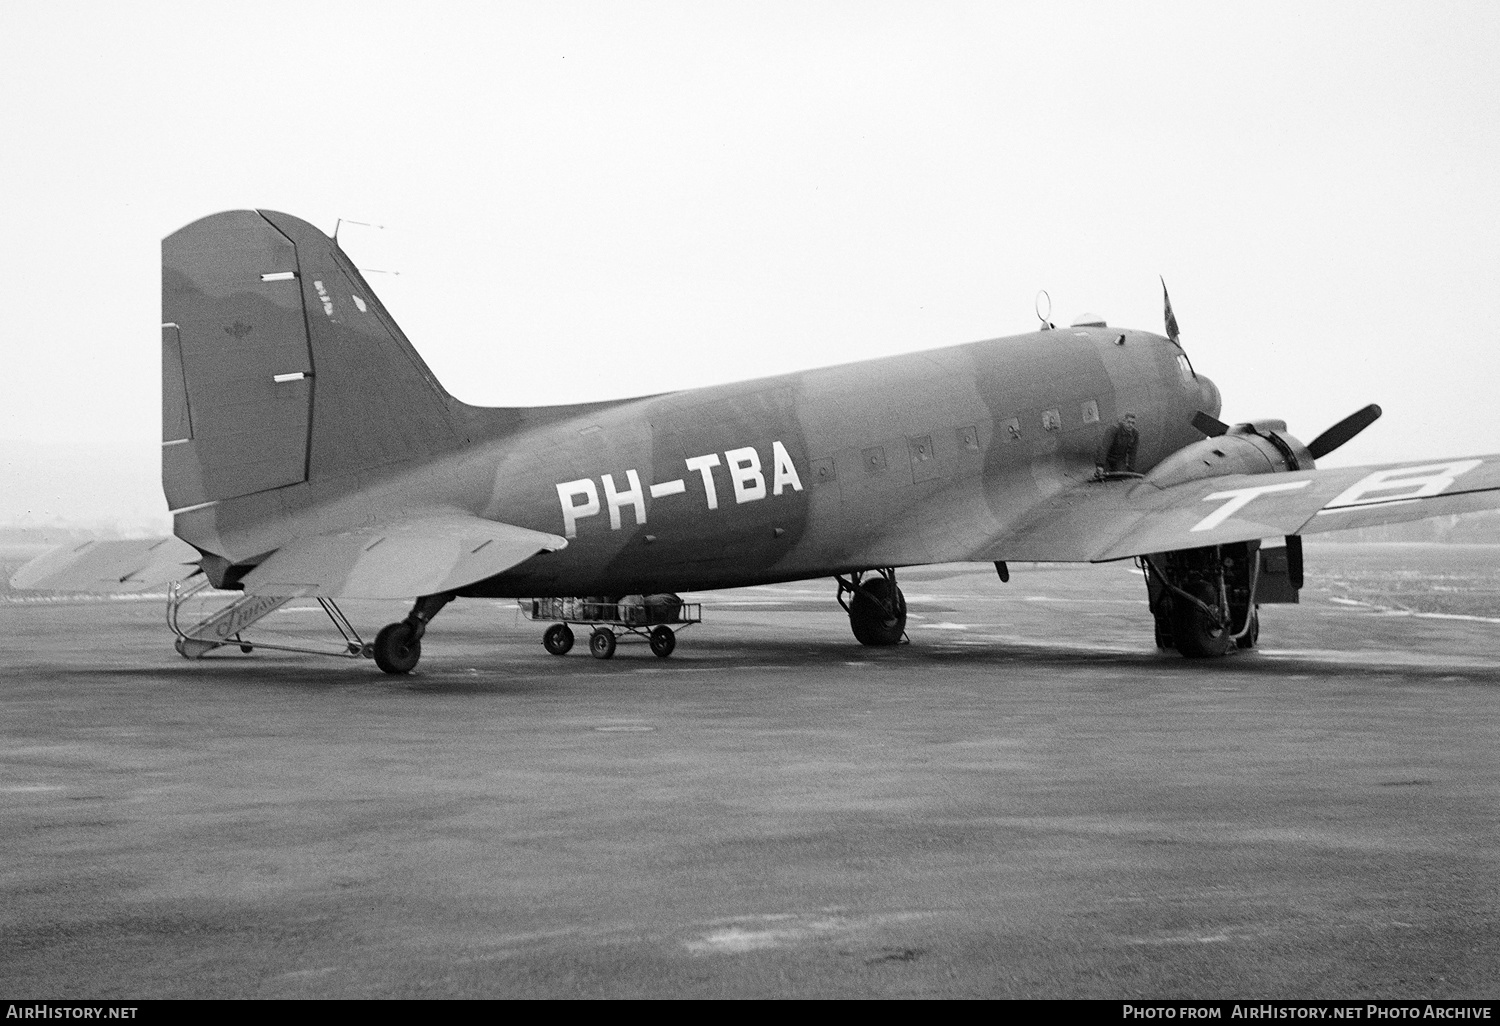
(602, 644)
(558, 639)
(663, 641)
(397, 648)
(1197, 634)
(1253, 634)
(877, 613)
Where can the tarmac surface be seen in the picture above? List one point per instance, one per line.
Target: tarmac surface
(1027, 801)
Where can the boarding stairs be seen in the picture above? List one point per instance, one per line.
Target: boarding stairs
(226, 625)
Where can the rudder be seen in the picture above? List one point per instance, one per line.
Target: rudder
(280, 365)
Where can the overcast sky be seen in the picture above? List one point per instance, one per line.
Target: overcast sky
(587, 201)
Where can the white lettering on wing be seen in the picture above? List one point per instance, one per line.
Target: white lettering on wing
(662, 488)
(1399, 485)
(1239, 498)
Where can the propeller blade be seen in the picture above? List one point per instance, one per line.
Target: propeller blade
(1343, 431)
(1208, 425)
(1294, 560)
(1171, 318)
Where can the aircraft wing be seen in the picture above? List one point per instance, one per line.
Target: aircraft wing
(1105, 520)
(420, 556)
(121, 566)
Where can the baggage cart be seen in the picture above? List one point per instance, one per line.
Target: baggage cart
(650, 618)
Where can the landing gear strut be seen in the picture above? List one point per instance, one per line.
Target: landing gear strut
(876, 607)
(398, 646)
(1203, 600)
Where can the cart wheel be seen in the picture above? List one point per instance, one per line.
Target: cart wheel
(663, 641)
(602, 644)
(558, 639)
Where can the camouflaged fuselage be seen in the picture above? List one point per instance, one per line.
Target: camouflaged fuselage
(922, 458)
(293, 406)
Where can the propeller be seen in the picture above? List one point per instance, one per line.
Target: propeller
(1210, 426)
(1319, 447)
(1343, 431)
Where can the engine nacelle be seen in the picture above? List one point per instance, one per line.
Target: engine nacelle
(1260, 447)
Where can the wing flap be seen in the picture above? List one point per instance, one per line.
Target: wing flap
(109, 567)
(1100, 521)
(423, 556)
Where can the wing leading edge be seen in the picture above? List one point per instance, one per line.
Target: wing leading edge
(1106, 520)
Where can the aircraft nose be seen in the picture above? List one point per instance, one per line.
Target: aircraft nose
(1210, 396)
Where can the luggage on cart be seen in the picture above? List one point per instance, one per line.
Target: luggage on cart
(648, 617)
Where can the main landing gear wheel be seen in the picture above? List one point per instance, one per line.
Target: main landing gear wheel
(602, 644)
(874, 616)
(558, 639)
(1252, 635)
(1164, 632)
(663, 641)
(397, 648)
(1197, 634)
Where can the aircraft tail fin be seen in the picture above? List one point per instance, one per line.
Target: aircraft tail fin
(280, 365)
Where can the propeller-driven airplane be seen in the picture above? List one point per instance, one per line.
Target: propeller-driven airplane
(309, 452)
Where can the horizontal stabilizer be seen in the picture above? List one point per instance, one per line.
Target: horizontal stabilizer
(135, 564)
(1107, 520)
(422, 556)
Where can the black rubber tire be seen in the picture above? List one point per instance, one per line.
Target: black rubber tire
(558, 639)
(1194, 632)
(1161, 616)
(869, 617)
(663, 641)
(1252, 635)
(397, 649)
(602, 644)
